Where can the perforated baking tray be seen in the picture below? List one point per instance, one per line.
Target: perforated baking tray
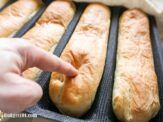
(101, 110)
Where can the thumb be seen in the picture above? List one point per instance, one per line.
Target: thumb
(21, 93)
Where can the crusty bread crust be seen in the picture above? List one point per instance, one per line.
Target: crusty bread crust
(86, 50)
(16, 15)
(135, 92)
(49, 29)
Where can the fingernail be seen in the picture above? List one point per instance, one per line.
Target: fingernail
(73, 72)
(76, 71)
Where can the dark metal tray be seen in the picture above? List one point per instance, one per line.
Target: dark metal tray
(101, 110)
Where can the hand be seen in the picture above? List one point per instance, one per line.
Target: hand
(16, 55)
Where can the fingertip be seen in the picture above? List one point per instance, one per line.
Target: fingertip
(73, 71)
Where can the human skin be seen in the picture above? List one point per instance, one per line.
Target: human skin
(17, 55)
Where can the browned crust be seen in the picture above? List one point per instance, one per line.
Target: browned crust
(86, 50)
(135, 92)
(49, 29)
(16, 15)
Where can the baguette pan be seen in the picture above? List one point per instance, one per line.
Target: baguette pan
(49, 29)
(3, 2)
(16, 15)
(135, 92)
(86, 51)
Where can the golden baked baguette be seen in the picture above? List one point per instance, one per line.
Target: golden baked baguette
(49, 29)
(3, 2)
(16, 15)
(135, 91)
(86, 50)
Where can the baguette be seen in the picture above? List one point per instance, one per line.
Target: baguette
(48, 30)
(3, 2)
(16, 15)
(135, 91)
(86, 50)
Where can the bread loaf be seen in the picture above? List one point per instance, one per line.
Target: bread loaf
(135, 91)
(16, 15)
(86, 50)
(3, 2)
(49, 29)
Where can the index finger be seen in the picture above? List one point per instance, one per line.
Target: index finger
(36, 57)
